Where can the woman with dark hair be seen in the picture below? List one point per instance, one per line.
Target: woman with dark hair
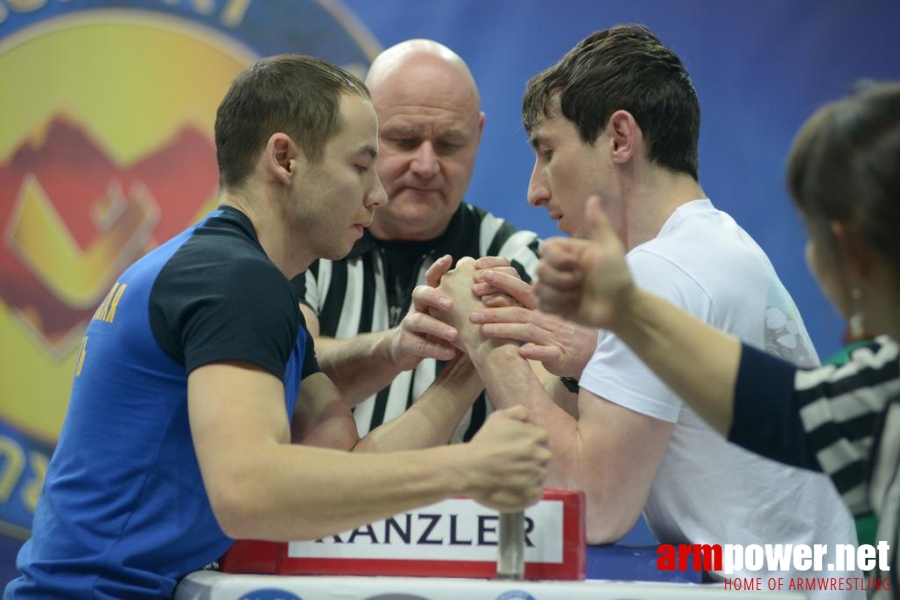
(844, 176)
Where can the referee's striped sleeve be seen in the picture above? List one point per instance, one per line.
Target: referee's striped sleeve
(497, 237)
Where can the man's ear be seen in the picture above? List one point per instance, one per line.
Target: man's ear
(481, 120)
(624, 136)
(281, 157)
(856, 253)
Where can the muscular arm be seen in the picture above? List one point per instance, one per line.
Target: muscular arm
(608, 451)
(432, 418)
(367, 363)
(323, 419)
(360, 366)
(263, 487)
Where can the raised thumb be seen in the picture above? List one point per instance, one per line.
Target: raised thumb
(598, 226)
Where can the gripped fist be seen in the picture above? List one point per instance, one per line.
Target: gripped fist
(511, 458)
(586, 281)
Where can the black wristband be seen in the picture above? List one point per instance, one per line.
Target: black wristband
(571, 384)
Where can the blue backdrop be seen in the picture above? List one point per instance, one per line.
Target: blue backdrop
(760, 69)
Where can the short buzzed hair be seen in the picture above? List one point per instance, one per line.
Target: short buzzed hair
(290, 93)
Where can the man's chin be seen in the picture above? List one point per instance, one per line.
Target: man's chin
(565, 229)
(336, 256)
(405, 216)
(339, 253)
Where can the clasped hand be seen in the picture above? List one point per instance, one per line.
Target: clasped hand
(428, 330)
(491, 301)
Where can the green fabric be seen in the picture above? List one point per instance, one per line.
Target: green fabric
(843, 355)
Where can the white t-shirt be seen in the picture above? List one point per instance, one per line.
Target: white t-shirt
(706, 490)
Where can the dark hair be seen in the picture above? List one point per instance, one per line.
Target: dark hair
(293, 94)
(623, 68)
(844, 166)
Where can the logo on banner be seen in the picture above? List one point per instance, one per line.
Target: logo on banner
(106, 151)
(515, 595)
(269, 594)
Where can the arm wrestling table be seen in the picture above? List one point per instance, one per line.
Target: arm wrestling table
(447, 551)
(211, 585)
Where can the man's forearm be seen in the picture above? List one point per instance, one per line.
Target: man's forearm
(359, 366)
(433, 418)
(592, 449)
(275, 506)
(510, 381)
(586, 455)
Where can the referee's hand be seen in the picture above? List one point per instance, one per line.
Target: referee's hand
(509, 461)
(420, 335)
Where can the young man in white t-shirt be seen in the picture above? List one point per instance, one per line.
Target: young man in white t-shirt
(618, 117)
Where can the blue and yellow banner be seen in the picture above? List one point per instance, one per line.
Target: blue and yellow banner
(107, 150)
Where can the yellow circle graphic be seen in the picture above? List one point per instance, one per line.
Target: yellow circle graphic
(106, 149)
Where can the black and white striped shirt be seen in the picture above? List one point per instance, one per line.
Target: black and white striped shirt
(353, 296)
(843, 420)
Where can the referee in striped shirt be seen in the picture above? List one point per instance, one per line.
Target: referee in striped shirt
(381, 354)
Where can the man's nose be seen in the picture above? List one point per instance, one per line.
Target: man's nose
(538, 190)
(377, 196)
(425, 160)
